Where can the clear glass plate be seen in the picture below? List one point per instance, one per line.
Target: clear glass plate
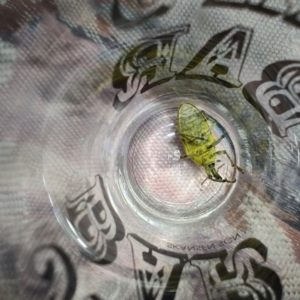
(97, 201)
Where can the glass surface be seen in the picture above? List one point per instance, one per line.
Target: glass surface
(98, 201)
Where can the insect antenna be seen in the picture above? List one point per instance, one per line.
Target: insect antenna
(220, 167)
(204, 180)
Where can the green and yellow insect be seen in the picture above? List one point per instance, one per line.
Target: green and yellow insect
(199, 143)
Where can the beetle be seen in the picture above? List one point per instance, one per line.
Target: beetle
(199, 143)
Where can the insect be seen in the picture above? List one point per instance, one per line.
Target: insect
(195, 130)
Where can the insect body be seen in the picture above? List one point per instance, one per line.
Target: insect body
(195, 130)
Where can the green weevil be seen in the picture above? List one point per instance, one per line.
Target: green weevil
(199, 143)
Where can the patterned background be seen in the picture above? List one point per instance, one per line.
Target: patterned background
(46, 46)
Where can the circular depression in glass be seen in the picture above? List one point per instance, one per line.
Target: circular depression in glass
(136, 152)
(146, 171)
(156, 182)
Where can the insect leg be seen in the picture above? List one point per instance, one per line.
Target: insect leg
(206, 117)
(216, 142)
(231, 161)
(218, 179)
(223, 180)
(191, 137)
(208, 172)
(216, 175)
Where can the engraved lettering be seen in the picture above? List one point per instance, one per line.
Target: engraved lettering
(150, 64)
(145, 66)
(229, 276)
(95, 222)
(221, 59)
(51, 274)
(236, 236)
(277, 96)
(157, 271)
